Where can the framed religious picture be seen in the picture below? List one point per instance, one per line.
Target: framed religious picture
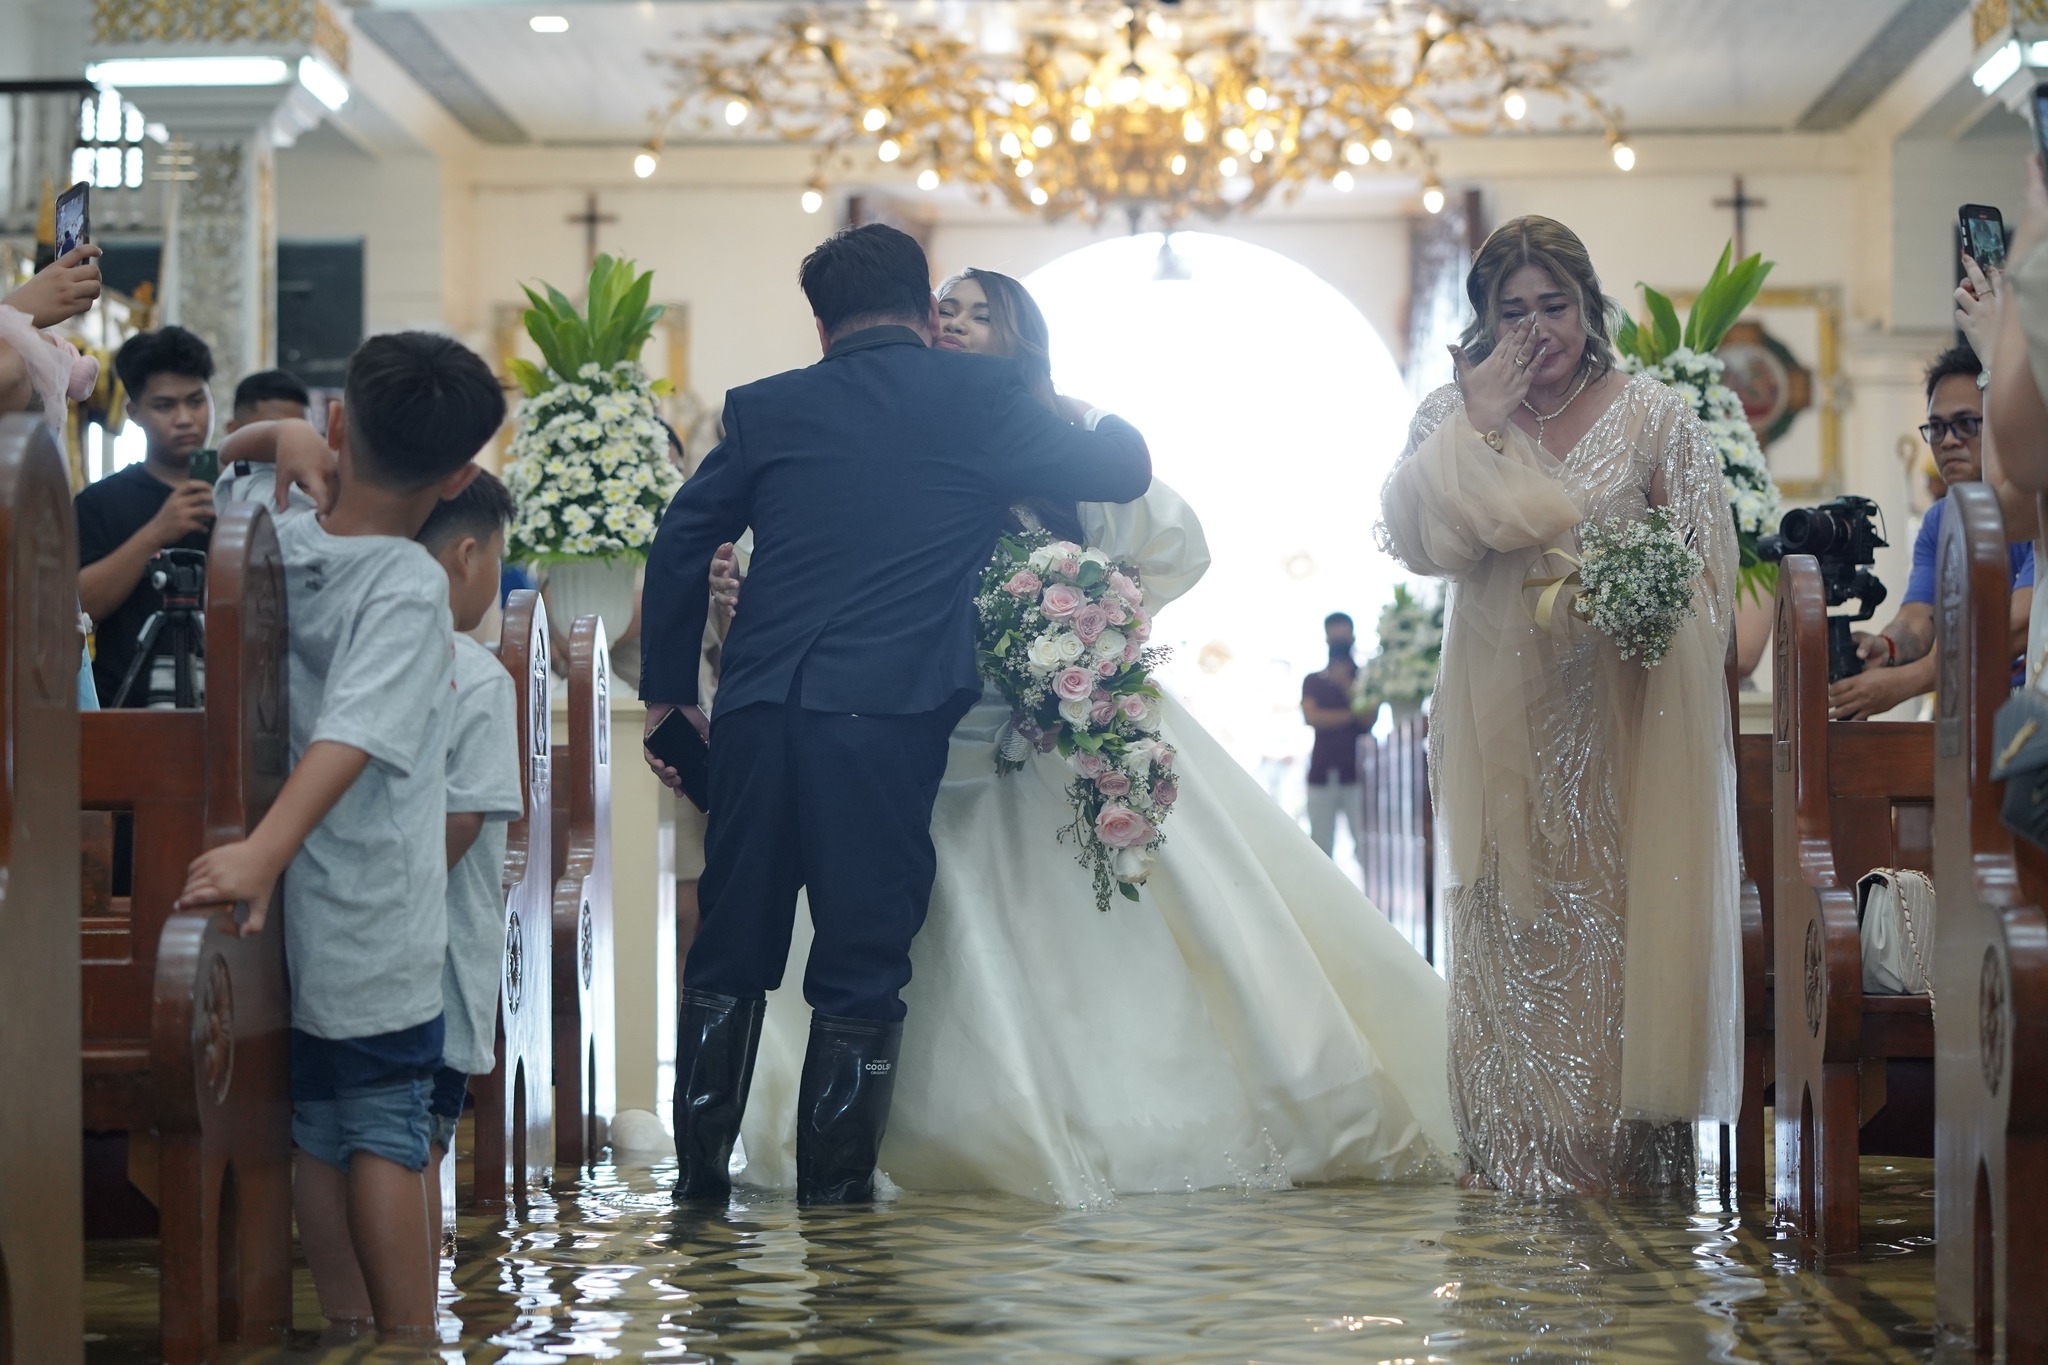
(1784, 362)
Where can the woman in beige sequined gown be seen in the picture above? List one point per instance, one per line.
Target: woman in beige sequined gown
(1586, 802)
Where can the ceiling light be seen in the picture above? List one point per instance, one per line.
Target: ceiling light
(1343, 181)
(813, 201)
(1433, 197)
(1227, 167)
(875, 120)
(323, 83)
(548, 23)
(2000, 67)
(1402, 117)
(1024, 168)
(1514, 104)
(927, 179)
(1357, 153)
(735, 113)
(136, 72)
(1039, 196)
(1011, 146)
(1382, 149)
(1080, 132)
(644, 164)
(1192, 130)
(1179, 164)
(890, 149)
(1256, 97)
(1624, 155)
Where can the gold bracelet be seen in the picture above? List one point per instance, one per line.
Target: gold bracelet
(1497, 441)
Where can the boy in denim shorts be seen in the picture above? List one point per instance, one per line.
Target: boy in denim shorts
(467, 535)
(358, 830)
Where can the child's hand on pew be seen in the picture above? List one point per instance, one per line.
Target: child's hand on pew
(239, 872)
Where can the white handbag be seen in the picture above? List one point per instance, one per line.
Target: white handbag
(1896, 906)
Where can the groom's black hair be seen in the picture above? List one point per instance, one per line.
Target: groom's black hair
(869, 274)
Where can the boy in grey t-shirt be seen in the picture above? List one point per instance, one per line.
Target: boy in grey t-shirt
(467, 535)
(360, 821)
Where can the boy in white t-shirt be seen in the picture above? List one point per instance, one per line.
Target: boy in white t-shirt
(360, 822)
(467, 535)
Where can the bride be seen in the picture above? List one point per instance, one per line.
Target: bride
(1251, 1021)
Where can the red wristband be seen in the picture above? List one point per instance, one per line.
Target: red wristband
(1891, 651)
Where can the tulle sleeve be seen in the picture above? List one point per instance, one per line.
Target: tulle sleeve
(1453, 498)
(48, 368)
(1159, 535)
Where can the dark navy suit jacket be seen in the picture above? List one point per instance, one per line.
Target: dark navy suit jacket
(875, 482)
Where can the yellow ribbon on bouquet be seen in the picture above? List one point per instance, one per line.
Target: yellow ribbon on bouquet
(1553, 588)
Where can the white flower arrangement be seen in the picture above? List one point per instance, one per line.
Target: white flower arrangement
(1411, 645)
(589, 464)
(1638, 579)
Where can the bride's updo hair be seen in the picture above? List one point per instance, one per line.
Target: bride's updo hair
(1018, 325)
(1556, 250)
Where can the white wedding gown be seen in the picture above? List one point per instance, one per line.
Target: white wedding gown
(1251, 1021)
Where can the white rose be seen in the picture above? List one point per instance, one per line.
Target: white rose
(1131, 865)
(1069, 647)
(1075, 712)
(1044, 654)
(1109, 644)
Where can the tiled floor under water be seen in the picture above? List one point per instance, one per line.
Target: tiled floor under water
(607, 1269)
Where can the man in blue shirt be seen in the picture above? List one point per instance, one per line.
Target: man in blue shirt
(1898, 663)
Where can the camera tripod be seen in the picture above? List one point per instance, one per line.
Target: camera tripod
(177, 628)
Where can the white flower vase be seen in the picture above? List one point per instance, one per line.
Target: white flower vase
(591, 587)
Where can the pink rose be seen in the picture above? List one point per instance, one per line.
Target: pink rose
(1121, 584)
(1089, 765)
(1165, 791)
(1134, 707)
(1023, 583)
(1119, 826)
(1109, 668)
(1062, 600)
(1163, 756)
(1140, 630)
(1102, 711)
(1113, 783)
(1090, 621)
(1132, 649)
(1118, 612)
(1065, 549)
(1072, 684)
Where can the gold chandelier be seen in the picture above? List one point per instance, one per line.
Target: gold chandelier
(1087, 108)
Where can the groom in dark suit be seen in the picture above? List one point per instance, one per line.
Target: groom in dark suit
(875, 482)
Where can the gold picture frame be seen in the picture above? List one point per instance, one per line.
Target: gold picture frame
(1807, 462)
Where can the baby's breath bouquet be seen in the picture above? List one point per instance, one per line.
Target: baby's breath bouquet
(1637, 582)
(1684, 358)
(589, 464)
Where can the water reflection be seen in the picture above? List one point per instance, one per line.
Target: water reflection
(606, 1268)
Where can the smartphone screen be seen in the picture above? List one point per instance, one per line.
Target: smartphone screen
(74, 227)
(1983, 235)
(206, 466)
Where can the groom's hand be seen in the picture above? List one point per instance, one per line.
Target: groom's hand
(656, 713)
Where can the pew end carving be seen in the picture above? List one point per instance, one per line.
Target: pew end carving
(585, 1031)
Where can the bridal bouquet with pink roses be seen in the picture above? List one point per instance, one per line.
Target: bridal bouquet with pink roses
(1063, 632)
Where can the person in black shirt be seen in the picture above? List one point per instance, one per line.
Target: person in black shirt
(127, 517)
(1333, 762)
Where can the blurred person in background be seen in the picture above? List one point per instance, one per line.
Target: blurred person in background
(1333, 761)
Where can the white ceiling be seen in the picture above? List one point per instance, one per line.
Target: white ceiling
(1690, 65)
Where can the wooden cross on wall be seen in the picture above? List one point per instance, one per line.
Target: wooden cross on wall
(1741, 204)
(590, 220)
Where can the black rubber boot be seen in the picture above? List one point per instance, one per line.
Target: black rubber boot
(842, 1108)
(716, 1038)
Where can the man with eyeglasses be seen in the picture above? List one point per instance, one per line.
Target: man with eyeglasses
(1898, 662)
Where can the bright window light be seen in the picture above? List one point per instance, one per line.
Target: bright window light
(1999, 68)
(323, 83)
(137, 72)
(548, 23)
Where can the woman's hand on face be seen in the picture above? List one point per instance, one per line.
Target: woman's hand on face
(1496, 386)
(1979, 301)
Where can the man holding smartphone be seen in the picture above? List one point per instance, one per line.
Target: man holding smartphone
(127, 517)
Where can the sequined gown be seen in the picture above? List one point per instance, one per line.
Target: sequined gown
(1586, 803)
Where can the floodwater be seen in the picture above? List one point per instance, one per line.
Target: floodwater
(605, 1268)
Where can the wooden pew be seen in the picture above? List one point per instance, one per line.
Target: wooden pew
(1397, 850)
(1753, 824)
(515, 1144)
(1990, 974)
(585, 1038)
(185, 1021)
(41, 1253)
(1848, 797)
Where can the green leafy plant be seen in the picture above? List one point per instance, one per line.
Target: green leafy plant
(1721, 301)
(610, 329)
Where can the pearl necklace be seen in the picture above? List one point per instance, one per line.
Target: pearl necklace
(1541, 418)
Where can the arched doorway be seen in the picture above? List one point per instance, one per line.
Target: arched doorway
(1275, 409)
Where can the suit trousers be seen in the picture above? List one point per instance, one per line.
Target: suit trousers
(841, 806)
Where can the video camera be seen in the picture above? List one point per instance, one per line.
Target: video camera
(1843, 535)
(170, 650)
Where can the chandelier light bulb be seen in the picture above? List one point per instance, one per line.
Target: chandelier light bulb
(1080, 132)
(1356, 153)
(875, 120)
(735, 113)
(1179, 164)
(1624, 156)
(1235, 139)
(1256, 97)
(1011, 146)
(890, 149)
(1126, 88)
(1043, 135)
(1227, 167)
(1514, 104)
(1192, 130)
(1024, 168)
(1264, 141)
(1382, 149)
(813, 201)
(1092, 97)
(927, 179)
(1402, 117)
(1039, 196)
(644, 164)
(1025, 95)
(1343, 181)
(814, 34)
(1435, 25)
(1433, 197)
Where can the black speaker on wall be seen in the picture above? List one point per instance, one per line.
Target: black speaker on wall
(319, 308)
